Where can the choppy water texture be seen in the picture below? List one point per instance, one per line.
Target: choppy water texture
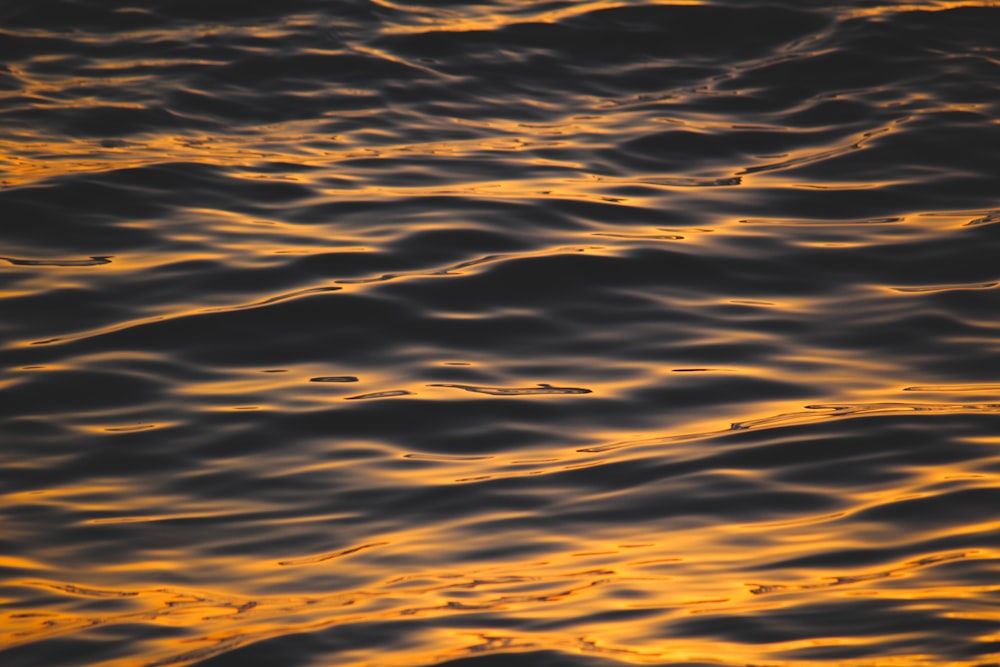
(580, 333)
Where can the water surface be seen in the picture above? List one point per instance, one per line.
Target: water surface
(571, 334)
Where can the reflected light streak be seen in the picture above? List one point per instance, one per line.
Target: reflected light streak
(486, 19)
(926, 5)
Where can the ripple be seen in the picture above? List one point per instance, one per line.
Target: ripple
(312, 560)
(988, 388)
(391, 393)
(93, 261)
(516, 391)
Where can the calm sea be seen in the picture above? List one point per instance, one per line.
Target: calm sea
(583, 333)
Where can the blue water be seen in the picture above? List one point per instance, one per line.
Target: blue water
(559, 334)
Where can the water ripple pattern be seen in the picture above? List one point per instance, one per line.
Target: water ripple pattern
(571, 334)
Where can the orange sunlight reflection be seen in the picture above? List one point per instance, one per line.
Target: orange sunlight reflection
(666, 578)
(634, 589)
(655, 577)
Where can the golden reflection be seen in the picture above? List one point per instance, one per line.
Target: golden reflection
(663, 573)
(580, 586)
(486, 18)
(926, 5)
(32, 157)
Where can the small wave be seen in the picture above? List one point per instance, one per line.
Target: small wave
(90, 592)
(312, 560)
(93, 261)
(818, 413)
(831, 411)
(515, 391)
(392, 393)
(970, 388)
(946, 288)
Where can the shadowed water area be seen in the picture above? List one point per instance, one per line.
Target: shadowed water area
(556, 334)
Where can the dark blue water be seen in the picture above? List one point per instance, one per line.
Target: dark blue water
(563, 334)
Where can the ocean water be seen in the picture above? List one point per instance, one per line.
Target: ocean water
(546, 333)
